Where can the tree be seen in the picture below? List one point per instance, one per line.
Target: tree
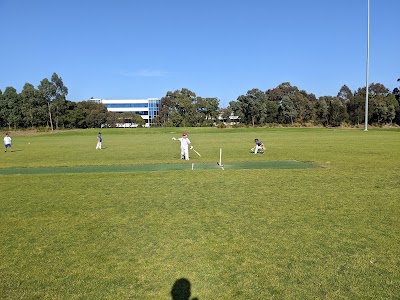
(131, 117)
(9, 108)
(33, 107)
(175, 108)
(321, 109)
(112, 118)
(382, 106)
(185, 101)
(95, 114)
(271, 112)
(356, 109)
(2, 103)
(235, 109)
(337, 112)
(345, 94)
(253, 106)
(298, 105)
(396, 93)
(183, 108)
(72, 115)
(287, 112)
(383, 109)
(54, 92)
(378, 89)
(303, 107)
(207, 110)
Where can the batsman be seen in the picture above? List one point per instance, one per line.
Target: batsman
(185, 143)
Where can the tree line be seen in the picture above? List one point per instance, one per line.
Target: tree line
(46, 106)
(286, 104)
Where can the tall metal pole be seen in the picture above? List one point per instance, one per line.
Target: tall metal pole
(366, 84)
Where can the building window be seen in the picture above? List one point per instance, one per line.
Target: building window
(125, 105)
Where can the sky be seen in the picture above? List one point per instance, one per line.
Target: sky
(133, 49)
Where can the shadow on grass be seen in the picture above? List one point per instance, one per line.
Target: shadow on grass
(181, 290)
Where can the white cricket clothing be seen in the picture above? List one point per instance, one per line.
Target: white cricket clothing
(7, 140)
(185, 142)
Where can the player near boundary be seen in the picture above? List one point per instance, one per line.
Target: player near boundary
(259, 146)
(7, 142)
(99, 141)
(185, 143)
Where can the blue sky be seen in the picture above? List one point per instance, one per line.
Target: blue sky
(144, 48)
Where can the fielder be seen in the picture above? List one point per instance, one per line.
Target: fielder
(99, 141)
(185, 143)
(7, 142)
(259, 147)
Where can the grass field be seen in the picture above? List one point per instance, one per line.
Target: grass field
(327, 232)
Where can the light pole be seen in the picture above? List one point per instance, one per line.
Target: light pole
(366, 84)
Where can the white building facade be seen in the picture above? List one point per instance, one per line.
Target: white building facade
(148, 108)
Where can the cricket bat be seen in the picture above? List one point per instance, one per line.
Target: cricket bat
(197, 152)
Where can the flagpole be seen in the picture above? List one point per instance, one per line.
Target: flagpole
(367, 71)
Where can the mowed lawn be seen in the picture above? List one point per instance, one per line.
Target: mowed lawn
(330, 232)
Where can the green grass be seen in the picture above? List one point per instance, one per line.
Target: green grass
(319, 233)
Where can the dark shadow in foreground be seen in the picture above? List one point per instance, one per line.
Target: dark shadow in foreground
(181, 290)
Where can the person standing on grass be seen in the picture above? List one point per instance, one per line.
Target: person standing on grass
(185, 143)
(7, 142)
(99, 141)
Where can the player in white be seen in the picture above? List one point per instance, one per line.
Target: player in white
(185, 143)
(7, 142)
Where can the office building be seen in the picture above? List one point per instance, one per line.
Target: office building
(147, 108)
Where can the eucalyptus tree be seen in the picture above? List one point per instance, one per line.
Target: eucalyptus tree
(72, 115)
(383, 104)
(321, 111)
(10, 109)
(185, 104)
(396, 93)
(184, 108)
(287, 113)
(337, 111)
(271, 112)
(294, 105)
(33, 107)
(303, 107)
(177, 108)
(131, 117)
(96, 117)
(345, 94)
(235, 109)
(54, 92)
(91, 115)
(384, 109)
(112, 118)
(356, 107)
(166, 107)
(207, 110)
(253, 106)
(2, 122)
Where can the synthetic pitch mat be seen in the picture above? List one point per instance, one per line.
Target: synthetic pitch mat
(290, 164)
